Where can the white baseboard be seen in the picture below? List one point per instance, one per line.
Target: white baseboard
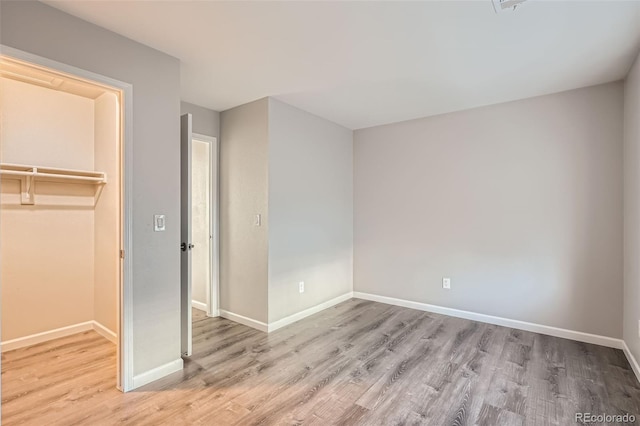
(57, 333)
(267, 328)
(105, 332)
(157, 373)
(249, 322)
(199, 305)
(490, 319)
(632, 360)
(34, 339)
(307, 312)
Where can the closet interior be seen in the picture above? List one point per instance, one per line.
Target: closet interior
(60, 207)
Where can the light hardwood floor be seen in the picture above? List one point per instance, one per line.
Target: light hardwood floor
(359, 362)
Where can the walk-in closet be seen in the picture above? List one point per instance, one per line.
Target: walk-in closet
(60, 226)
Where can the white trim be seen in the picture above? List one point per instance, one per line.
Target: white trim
(214, 303)
(125, 317)
(307, 312)
(52, 65)
(490, 319)
(105, 332)
(632, 360)
(249, 322)
(157, 373)
(45, 336)
(268, 328)
(199, 305)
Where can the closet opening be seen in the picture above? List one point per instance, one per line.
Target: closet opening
(64, 231)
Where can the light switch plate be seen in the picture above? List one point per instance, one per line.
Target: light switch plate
(158, 223)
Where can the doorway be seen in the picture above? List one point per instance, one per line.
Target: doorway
(199, 228)
(204, 154)
(75, 173)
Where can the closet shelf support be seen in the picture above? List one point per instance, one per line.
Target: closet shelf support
(26, 190)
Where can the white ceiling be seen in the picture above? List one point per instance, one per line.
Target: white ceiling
(361, 64)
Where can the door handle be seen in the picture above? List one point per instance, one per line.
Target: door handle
(185, 246)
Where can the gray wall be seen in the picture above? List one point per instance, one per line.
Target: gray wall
(310, 210)
(632, 209)
(205, 121)
(520, 204)
(244, 161)
(42, 30)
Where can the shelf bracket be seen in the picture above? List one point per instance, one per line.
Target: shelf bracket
(26, 190)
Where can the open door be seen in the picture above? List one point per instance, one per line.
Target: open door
(186, 233)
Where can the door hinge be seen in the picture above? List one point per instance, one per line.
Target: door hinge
(121, 254)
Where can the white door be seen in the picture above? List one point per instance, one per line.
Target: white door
(186, 245)
(199, 227)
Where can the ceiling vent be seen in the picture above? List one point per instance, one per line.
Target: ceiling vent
(506, 5)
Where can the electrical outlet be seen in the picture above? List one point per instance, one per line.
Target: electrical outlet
(446, 283)
(301, 286)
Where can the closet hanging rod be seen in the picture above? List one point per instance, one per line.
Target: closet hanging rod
(45, 176)
(19, 171)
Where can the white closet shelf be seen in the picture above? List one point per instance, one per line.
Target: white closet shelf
(50, 174)
(27, 175)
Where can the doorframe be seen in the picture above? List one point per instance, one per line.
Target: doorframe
(213, 291)
(125, 296)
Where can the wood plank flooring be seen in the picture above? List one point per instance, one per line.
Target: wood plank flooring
(359, 362)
